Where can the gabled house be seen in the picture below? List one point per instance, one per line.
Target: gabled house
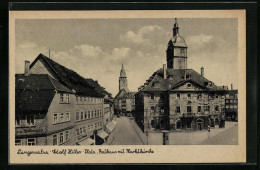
(43, 111)
(87, 104)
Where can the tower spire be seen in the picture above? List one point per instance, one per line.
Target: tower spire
(175, 28)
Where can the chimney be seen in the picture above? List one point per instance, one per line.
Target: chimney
(231, 86)
(27, 68)
(164, 71)
(202, 71)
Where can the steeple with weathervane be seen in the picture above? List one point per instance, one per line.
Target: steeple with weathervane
(176, 53)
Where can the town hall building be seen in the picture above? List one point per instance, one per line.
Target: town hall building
(177, 98)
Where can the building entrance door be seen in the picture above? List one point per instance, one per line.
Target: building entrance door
(199, 126)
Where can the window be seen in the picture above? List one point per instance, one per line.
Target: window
(227, 101)
(88, 114)
(61, 137)
(95, 113)
(67, 98)
(85, 117)
(231, 106)
(55, 140)
(67, 135)
(31, 141)
(182, 50)
(206, 107)
(100, 112)
(199, 97)
(80, 99)
(55, 118)
(61, 98)
(17, 121)
(61, 117)
(77, 115)
(231, 101)
(162, 110)
(188, 85)
(18, 142)
(85, 99)
(67, 116)
(80, 131)
(30, 121)
(92, 114)
(81, 116)
(152, 96)
(227, 106)
(77, 130)
(199, 108)
(235, 101)
(189, 96)
(178, 109)
(216, 108)
(84, 130)
(178, 96)
(189, 109)
(152, 110)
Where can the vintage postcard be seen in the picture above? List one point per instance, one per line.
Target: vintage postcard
(127, 86)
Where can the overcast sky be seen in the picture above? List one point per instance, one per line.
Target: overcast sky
(95, 48)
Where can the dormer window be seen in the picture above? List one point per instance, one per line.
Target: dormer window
(170, 77)
(156, 85)
(188, 76)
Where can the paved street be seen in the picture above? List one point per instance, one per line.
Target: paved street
(124, 133)
(228, 137)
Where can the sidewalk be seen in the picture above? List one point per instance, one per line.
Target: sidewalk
(187, 137)
(197, 137)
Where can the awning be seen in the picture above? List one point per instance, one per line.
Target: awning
(87, 141)
(102, 134)
(110, 126)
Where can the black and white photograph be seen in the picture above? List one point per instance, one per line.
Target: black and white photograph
(127, 81)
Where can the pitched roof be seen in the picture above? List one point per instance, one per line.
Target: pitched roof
(36, 82)
(35, 92)
(31, 101)
(70, 78)
(97, 86)
(177, 77)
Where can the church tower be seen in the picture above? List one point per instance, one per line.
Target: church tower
(176, 54)
(123, 80)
